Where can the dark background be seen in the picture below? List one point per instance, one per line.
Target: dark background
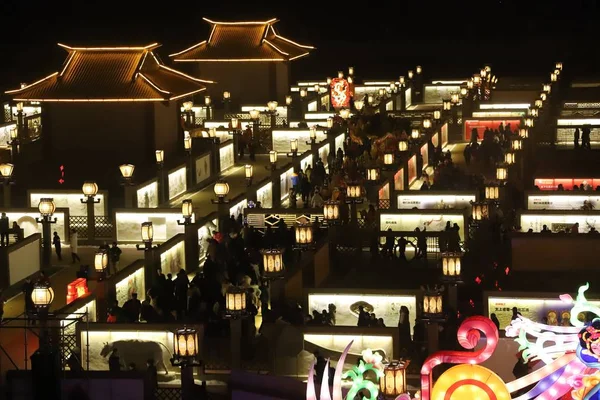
(380, 39)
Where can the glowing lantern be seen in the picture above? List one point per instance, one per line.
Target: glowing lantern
(313, 133)
(254, 114)
(393, 381)
(477, 79)
(42, 295)
(185, 347)
(419, 69)
(273, 156)
(559, 66)
(539, 103)
(517, 144)
(147, 232)
(469, 84)
(524, 133)
(249, 171)
(221, 189)
(547, 88)
(451, 265)
(304, 234)
(426, 123)
(288, 100)
(212, 132)
(415, 134)
(89, 188)
(160, 156)
(447, 104)
(272, 105)
(127, 170)
(273, 263)
(187, 208)
(101, 261)
(226, 95)
(388, 158)
(480, 211)
(533, 112)
(502, 173)
(345, 113)
(207, 101)
(463, 92)
(294, 145)
(432, 304)
(372, 174)
(529, 122)
(402, 145)
(359, 104)
(6, 171)
(492, 192)
(354, 191)
(411, 74)
(235, 302)
(331, 211)
(454, 98)
(187, 105)
(553, 77)
(329, 123)
(402, 81)
(46, 207)
(509, 158)
(437, 115)
(187, 142)
(235, 123)
(340, 74)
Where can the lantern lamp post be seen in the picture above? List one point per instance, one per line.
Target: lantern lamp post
(272, 161)
(221, 190)
(249, 172)
(14, 143)
(373, 174)
(273, 269)
(187, 212)
(393, 382)
(304, 236)
(185, 356)
(207, 102)
(480, 211)
(147, 233)
(331, 212)
(354, 196)
(149, 249)
(433, 302)
(101, 263)
(188, 112)
(293, 149)
(127, 182)
(451, 274)
(402, 146)
(492, 192)
(46, 207)
(90, 190)
(6, 171)
(502, 172)
(313, 135)
(235, 311)
(227, 100)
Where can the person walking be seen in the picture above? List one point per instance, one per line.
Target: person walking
(114, 254)
(4, 230)
(57, 246)
(74, 244)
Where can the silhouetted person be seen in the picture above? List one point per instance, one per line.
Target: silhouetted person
(150, 380)
(576, 138)
(4, 230)
(585, 138)
(114, 361)
(57, 246)
(495, 320)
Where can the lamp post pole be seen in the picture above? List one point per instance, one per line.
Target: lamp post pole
(90, 189)
(191, 235)
(127, 182)
(150, 259)
(46, 208)
(6, 171)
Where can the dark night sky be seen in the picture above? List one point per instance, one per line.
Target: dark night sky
(448, 38)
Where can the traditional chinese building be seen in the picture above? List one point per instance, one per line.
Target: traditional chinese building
(116, 104)
(248, 59)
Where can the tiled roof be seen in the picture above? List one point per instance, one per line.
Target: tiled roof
(243, 41)
(111, 74)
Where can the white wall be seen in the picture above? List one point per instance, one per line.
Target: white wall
(24, 261)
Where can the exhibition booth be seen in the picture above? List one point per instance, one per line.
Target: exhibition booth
(436, 200)
(559, 220)
(565, 129)
(27, 218)
(481, 124)
(571, 200)
(567, 183)
(430, 220)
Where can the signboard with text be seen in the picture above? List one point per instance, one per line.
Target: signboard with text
(482, 125)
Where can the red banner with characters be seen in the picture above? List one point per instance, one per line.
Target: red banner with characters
(341, 92)
(567, 183)
(482, 125)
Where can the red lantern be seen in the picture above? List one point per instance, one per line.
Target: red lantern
(341, 92)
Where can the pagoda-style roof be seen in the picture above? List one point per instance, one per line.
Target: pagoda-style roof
(111, 74)
(243, 41)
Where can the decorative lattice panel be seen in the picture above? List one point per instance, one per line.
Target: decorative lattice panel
(79, 222)
(167, 393)
(103, 227)
(264, 220)
(384, 204)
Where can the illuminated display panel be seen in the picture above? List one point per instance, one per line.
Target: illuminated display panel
(384, 192)
(383, 305)
(412, 170)
(567, 183)
(24, 261)
(72, 201)
(533, 308)
(481, 125)
(238, 208)
(561, 202)
(435, 139)
(399, 179)
(134, 283)
(408, 222)
(173, 260)
(265, 195)
(177, 182)
(498, 114)
(341, 93)
(338, 342)
(281, 139)
(434, 201)
(558, 223)
(578, 121)
(27, 222)
(339, 141)
(319, 116)
(5, 133)
(205, 232)
(324, 154)
(511, 106)
(226, 156)
(425, 155)
(437, 93)
(203, 168)
(147, 196)
(128, 225)
(305, 162)
(444, 131)
(133, 346)
(316, 122)
(285, 181)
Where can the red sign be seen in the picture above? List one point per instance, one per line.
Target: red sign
(341, 92)
(76, 289)
(567, 183)
(481, 126)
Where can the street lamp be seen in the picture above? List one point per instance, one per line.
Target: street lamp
(46, 207)
(340, 74)
(437, 115)
(249, 171)
(539, 103)
(90, 189)
(227, 100)
(185, 348)
(160, 157)
(345, 113)
(502, 173)
(235, 302)
(187, 143)
(221, 190)
(402, 80)
(516, 144)
(393, 381)
(354, 193)
(509, 158)
(446, 104)
(410, 74)
(304, 236)
(524, 133)
(6, 171)
(547, 88)
(187, 212)
(480, 211)
(288, 100)
(402, 145)
(331, 211)
(359, 105)
(272, 160)
(273, 263)
(313, 135)
(553, 77)
(451, 265)
(388, 159)
(350, 70)
(373, 174)
(492, 192)
(415, 134)
(426, 123)
(432, 304)
(14, 143)
(207, 102)
(329, 123)
(293, 148)
(42, 295)
(100, 263)
(127, 171)
(147, 233)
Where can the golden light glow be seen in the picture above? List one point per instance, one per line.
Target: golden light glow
(288, 100)
(463, 91)
(71, 56)
(372, 174)
(480, 211)
(100, 261)
(185, 343)
(147, 232)
(269, 21)
(273, 262)
(290, 41)
(294, 145)
(182, 74)
(419, 69)
(187, 208)
(273, 156)
(539, 103)
(304, 234)
(313, 132)
(401, 80)
(154, 85)
(402, 145)
(393, 382)
(451, 264)
(354, 191)
(248, 170)
(303, 92)
(207, 101)
(509, 158)
(410, 74)
(272, 106)
(232, 60)
(127, 170)
(89, 188)
(524, 133)
(553, 77)
(415, 134)
(188, 105)
(469, 84)
(492, 192)
(340, 74)
(46, 207)
(221, 188)
(517, 144)
(345, 113)
(160, 156)
(33, 84)
(329, 123)
(502, 172)
(350, 79)
(432, 303)
(331, 210)
(277, 49)
(254, 114)
(6, 170)
(388, 158)
(42, 295)
(437, 115)
(359, 104)
(226, 95)
(235, 300)
(426, 123)
(149, 47)
(350, 70)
